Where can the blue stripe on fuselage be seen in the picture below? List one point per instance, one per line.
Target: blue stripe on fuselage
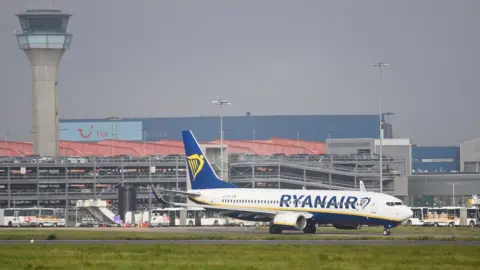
(330, 218)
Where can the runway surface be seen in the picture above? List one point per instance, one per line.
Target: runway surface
(242, 242)
(247, 231)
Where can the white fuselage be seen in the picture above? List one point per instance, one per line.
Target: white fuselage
(326, 206)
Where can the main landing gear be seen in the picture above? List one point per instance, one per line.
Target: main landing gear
(275, 229)
(310, 228)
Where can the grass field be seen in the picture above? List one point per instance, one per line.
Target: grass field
(466, 234)
(405, 230)
(237, 257)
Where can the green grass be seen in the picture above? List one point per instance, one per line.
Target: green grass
(242, 257)
(153, 234)
(405, 230)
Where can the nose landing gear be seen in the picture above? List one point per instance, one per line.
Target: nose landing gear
(386, 229)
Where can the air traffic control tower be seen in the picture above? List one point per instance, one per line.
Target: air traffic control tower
(44, 38)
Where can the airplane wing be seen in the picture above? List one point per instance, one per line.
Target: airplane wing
(226, 209)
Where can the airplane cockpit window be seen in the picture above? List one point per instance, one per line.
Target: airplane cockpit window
(394, 203)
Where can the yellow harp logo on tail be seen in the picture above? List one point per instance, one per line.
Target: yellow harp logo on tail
(195, 162)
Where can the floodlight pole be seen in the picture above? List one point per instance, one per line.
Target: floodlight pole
(221, 103)
(453, 198)
(6, 143)
(380, 64)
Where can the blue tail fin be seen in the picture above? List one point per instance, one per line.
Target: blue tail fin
(202, 175)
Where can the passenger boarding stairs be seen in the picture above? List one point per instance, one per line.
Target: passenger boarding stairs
(98, 209)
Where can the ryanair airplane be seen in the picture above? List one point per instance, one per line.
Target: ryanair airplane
(285, 209)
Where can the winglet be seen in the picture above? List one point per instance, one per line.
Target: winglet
(362, 187)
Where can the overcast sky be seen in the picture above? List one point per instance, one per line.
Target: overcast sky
(148, 58)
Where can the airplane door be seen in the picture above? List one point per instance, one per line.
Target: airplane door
(373, 208)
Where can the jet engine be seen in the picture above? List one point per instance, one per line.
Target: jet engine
(346, 227)
(290, 220)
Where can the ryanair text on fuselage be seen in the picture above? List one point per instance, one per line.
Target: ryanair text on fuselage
(344, 202)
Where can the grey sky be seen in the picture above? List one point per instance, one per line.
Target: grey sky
(171, 58)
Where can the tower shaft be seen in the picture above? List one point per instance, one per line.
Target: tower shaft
(45, 109)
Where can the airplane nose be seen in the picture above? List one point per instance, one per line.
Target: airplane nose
(408, 213)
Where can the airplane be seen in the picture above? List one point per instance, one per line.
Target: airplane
(284, 209)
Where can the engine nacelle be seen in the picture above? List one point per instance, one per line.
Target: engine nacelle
(346, 227)
(290, 220)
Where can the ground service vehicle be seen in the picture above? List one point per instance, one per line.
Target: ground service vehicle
(443, 216)
(32, 217)
(191, 216)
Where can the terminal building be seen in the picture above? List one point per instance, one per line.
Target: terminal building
(207, 128)
(100, 157)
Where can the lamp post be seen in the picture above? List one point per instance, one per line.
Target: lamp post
(6, 142)
(298, 137)
(114, 118)
(145, 140)
(453, 193)
(221, 103)
(380, 65)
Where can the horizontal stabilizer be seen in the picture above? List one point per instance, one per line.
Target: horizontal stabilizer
(186, 193)
(160, 198)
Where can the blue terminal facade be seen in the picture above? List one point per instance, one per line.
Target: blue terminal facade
(436, 159)
(306, 127)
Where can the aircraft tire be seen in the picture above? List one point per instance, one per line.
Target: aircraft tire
(311, 229)
(274, 230)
